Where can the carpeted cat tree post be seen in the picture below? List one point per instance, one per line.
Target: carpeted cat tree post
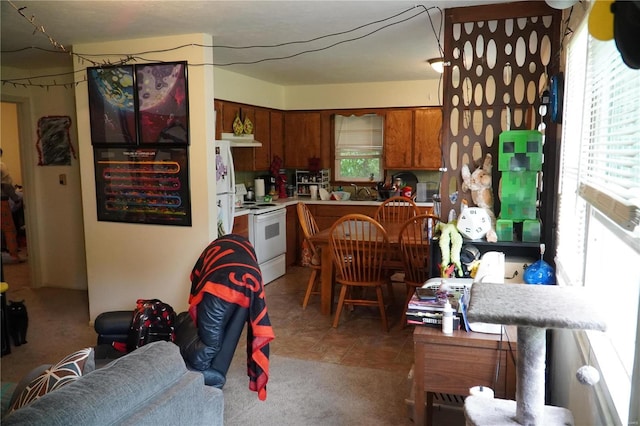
(533, 308)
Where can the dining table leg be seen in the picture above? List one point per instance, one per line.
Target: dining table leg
(326, 282)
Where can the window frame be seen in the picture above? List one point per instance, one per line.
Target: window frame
(371, 133)
(582, 217)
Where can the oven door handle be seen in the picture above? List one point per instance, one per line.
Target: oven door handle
(261, 217)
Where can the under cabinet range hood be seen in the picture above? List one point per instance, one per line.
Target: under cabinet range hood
(242, 141)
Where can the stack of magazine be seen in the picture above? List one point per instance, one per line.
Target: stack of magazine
(427, 304)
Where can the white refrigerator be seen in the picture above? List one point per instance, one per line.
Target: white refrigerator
(225, 187)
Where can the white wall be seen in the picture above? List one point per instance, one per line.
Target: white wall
(10, 141)
(235, 87)
(230, 86)
(55, 236)
(128, 261)
(588, 404)
(363, 95)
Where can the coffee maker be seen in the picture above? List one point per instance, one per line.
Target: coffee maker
(269, 183)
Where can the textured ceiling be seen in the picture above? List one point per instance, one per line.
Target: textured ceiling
(390, 41)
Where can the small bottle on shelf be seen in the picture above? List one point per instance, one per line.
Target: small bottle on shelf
(447, 318)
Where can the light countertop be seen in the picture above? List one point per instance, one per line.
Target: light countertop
(284, 202)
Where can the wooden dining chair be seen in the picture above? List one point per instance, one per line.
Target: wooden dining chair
(414, 240)
(396, 210)
(309, 229)
(359, 246)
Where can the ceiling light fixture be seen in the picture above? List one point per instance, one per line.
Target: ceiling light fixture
(437, 64)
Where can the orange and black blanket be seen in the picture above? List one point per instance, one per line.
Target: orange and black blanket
(228, 269)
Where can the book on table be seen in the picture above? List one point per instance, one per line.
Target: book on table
(436, 305)
(429, 319)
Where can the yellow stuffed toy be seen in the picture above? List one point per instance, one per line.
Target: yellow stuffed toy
(450, 245)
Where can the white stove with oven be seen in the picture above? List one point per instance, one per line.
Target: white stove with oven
(267, 233)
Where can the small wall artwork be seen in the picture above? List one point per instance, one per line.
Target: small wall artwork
(54, 144)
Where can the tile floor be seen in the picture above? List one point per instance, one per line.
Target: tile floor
(357, 341)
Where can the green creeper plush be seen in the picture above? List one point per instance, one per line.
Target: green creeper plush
(520, 161)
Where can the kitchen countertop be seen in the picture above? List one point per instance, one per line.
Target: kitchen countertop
(294, 200)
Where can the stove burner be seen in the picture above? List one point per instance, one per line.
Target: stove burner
(254, 206)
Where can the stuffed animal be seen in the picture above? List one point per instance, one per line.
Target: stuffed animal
(479, 183)
(450, 246)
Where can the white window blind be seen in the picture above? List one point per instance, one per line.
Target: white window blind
(611, 179)
(358, 147)
(599, 203)
(571, 208)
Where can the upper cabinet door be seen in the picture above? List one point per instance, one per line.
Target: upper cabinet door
(398, 139)
(277, 134)
(218, 107)
(426, 136)
(301, 138)
(412, 139)
(262, 130)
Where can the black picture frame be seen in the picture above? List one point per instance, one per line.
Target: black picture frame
(162, 103)
(112, 105)
(147, 185)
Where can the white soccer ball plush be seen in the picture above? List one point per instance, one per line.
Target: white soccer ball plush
(474, 223)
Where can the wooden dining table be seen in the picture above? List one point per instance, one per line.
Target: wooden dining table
(321, 240)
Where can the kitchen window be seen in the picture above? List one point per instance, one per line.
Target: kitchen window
(599, 206)
(358, 148)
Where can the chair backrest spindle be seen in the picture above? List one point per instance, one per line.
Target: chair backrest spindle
(396, 210)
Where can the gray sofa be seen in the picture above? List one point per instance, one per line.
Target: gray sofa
(149, 386)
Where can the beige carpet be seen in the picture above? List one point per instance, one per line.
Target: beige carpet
(315, 393)
(58, 323)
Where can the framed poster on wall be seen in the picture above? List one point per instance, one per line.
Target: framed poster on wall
(163, 115)
(143, 185)
(112, 107)
(140, 104)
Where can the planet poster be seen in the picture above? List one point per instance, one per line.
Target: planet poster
(139, 104)
(162, 103)
(112, 105)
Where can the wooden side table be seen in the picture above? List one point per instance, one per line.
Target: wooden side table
(453, 364)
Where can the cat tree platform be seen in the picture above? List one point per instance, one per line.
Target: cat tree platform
(533, 309)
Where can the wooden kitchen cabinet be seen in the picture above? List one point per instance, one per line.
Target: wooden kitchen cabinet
(218, 107)
(251, 159)
(327, 214)
(301, 139)
(229, 112)
(277, 134)
(294, 236)
(398, 139)
(241, 225)
(268, 130)
(426, 138)
(262, 130)
(412, 139)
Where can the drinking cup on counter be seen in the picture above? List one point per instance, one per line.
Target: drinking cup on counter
(313, 190)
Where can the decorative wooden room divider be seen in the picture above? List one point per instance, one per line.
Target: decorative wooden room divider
(501, 58)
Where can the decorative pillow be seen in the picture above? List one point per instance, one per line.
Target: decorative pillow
(69, 369)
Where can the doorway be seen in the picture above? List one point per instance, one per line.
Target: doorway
(12, 160)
